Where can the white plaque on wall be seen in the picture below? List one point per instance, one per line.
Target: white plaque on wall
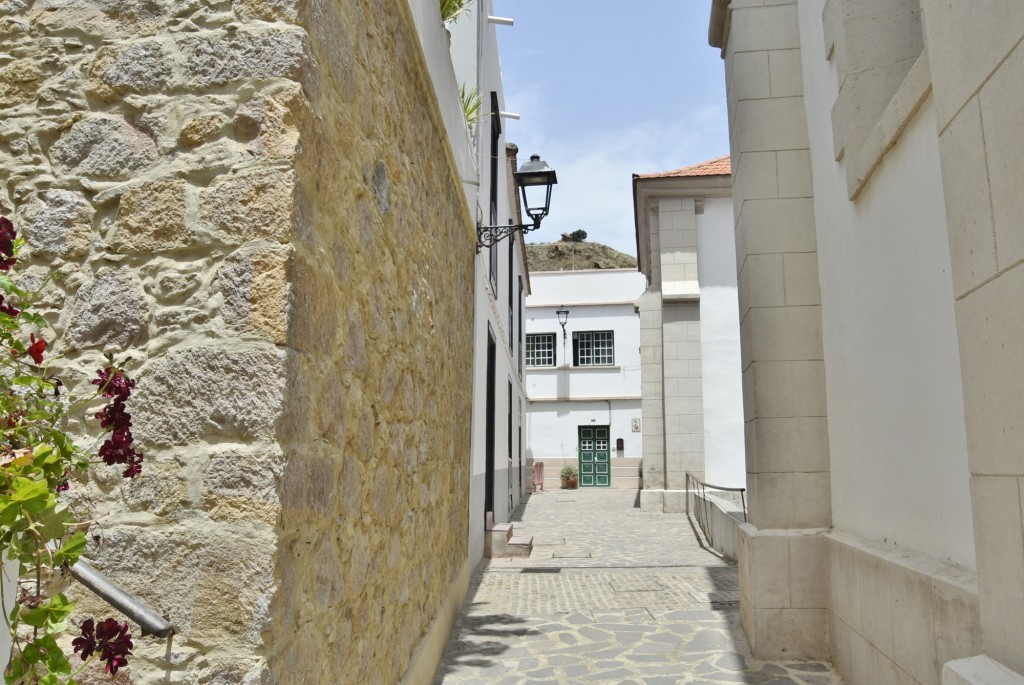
(636, 425)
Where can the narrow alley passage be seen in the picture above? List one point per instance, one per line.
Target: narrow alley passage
(610, 594)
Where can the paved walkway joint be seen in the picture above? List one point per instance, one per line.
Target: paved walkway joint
(610, 595)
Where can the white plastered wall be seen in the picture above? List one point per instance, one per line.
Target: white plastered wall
(720, 345)
(895, 409)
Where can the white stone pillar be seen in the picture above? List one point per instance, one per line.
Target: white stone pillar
(784, 600)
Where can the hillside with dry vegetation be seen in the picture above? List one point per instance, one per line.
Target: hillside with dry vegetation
(576, 256)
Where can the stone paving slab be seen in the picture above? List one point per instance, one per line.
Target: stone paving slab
(648, 606)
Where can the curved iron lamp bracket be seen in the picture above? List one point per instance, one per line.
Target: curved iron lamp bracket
(488, 236)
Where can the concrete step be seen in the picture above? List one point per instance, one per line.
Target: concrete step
(500, 543)
(520, 546)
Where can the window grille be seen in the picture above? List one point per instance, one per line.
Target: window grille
(594, 348)
(540, 349)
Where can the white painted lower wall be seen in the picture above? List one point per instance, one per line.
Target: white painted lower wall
(552, 426)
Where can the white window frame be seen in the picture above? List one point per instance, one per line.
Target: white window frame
(531, 350)
(593, 348)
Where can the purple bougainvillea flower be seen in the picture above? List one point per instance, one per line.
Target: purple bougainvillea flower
(86, 644)
(114, 383)
(115, 644)
(117, 449)
(7, 235)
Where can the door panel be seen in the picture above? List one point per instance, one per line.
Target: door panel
(595, 468)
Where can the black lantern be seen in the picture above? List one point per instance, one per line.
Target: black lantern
(534, 179)
(563, 318)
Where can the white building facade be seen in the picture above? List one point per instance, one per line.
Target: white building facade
(497, 462)
(877, 169)
(583, 382)
(693, 402)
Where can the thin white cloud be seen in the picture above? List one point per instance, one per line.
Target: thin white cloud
(595, 170)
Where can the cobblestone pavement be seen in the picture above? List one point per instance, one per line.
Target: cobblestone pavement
(610, 595)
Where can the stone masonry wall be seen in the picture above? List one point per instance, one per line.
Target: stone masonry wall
(254, 199)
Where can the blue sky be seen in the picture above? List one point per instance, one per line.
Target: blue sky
(605, 91)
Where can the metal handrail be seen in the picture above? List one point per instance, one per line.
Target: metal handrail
(702, 515)
(151, 622)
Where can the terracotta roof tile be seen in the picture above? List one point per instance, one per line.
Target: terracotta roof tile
(719, 166)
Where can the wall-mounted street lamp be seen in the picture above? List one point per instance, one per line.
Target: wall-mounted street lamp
(563, 318)
(534, 179)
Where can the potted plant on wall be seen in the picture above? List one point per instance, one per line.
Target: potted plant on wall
(570, 477)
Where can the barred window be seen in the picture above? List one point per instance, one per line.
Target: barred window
(593, 348)
(540, 349)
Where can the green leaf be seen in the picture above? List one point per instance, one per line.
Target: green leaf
(52, 524)
(35, 319)
(72, 548)
(31, 654)
(56, 661)
(51, 613)
(29, 493)
(8, 286)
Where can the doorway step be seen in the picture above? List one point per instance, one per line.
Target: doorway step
(500, 543)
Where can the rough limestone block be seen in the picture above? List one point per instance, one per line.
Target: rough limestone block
(255, 285)
(241, 484)
(152, 217)
(200, 129)
(19, 82)
(143, 67)
(216, 59)
(254, 206)
(270, 121)
(111, 312)
(234, 586)
(104, 146)
(59, 224)
(271, 10)
(209, 391)
(109, 18)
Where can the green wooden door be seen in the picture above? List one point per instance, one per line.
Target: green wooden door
(595, 465)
